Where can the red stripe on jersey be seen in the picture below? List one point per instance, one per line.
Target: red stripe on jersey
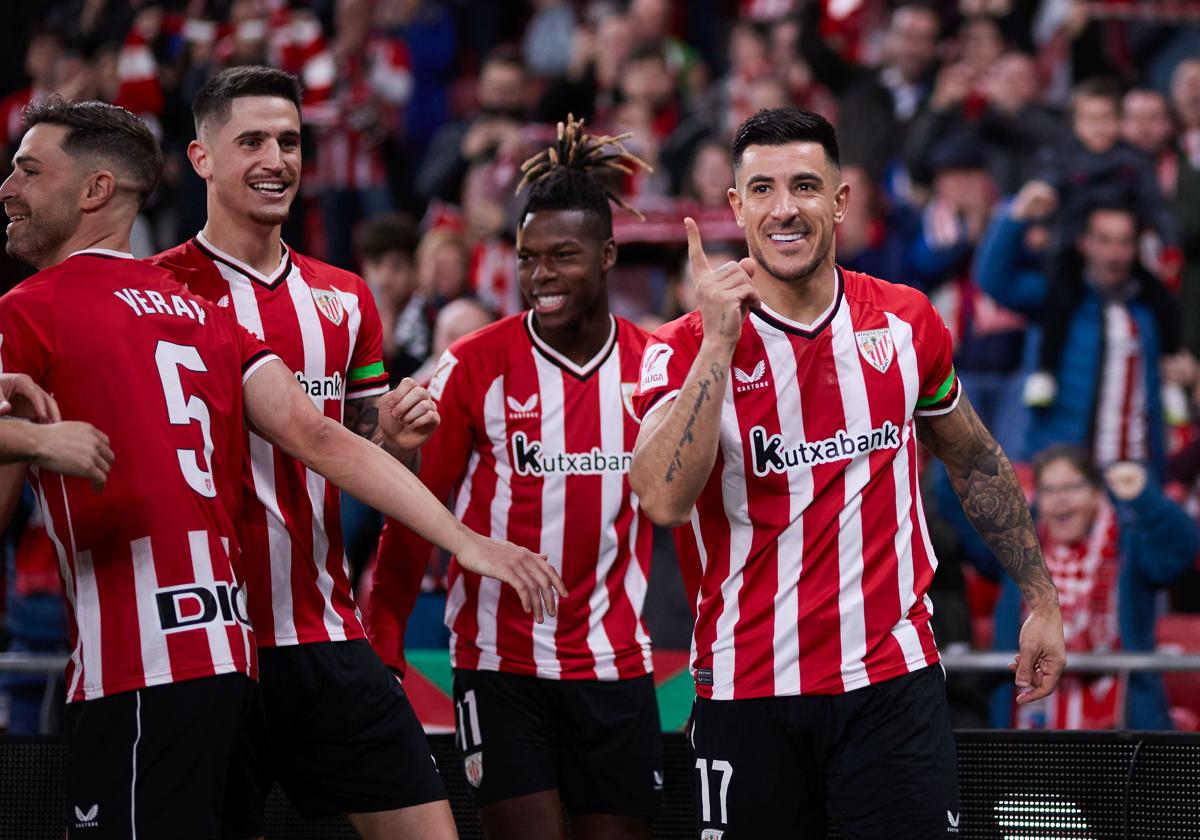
(880, 581)
(581, 502)
(819, 624)
(753, 634)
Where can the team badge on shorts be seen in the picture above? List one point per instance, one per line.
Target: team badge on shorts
(876, 347)
(712, 834)
(473, 767)
(330, 305)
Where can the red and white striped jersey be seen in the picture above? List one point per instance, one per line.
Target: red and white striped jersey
(323, 324)
(150, 566)
(536, 451)
(1121, 427)
(812, 551)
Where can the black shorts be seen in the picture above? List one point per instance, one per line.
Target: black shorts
(154, 762)
(334, 728)
(599, 743)
(879, 760)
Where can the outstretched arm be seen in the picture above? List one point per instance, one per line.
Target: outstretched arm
(280, 410)
(993, 502)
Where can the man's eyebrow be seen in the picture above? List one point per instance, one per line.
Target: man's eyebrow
(21, 160)
(759, 179)
(254, 133)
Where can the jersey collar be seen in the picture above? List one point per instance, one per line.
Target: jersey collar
(578, 371)
(102, 252)
(810, 331)
(269, 280)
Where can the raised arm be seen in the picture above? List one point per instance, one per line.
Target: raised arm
(677, 444)
(400, 421)
(280, 410)
(994, 504)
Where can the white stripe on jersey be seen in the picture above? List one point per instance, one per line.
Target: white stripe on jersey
(457, 596)
(156, 660)
(612, 439)
(489, 588)
(245, 633)
(202, 569)
(313, 339)
(554, 493)
(790, 546)
(87, 616)
(857, 409)
(635, 587)
(353, 324)
(279, 541)
(906, 359)
(734, 480)
(68, 577)
(702, 559)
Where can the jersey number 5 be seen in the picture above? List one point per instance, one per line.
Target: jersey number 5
(182, 411)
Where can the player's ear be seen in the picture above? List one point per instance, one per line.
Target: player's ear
(97, 190)
(609, 257)
(841, 200)
(735, 201)
(197, 153)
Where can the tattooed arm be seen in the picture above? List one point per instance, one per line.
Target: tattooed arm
(677, 445)
(400, 421)
(992, 499)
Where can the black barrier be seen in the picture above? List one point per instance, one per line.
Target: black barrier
(1015, 786)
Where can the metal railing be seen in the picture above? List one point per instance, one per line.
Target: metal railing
(955, 661)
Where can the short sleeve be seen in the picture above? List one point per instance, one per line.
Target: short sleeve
(939, 389)
(367, 376)
(666, 362)
(252, 353)
(26, 335)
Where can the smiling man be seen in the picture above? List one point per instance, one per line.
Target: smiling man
(779, 422)
(360, 750)
(535, 445)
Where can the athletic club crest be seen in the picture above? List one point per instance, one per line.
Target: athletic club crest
(329, 304)
(473, 766)
(876, 347)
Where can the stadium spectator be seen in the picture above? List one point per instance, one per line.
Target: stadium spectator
(334, 729)
(774, 411)
(876, 104)
(503, 93)
(1113, 543)
(1002, 115)
(387, 247)
(1185, 102)
(534, 445)
(1116, 329)
(42, 54)
(546, 44)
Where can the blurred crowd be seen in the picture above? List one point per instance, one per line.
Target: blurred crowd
(1032, 165)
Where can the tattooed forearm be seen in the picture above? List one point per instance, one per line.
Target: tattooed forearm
(687, 437)
(361, 416)
(991, 496)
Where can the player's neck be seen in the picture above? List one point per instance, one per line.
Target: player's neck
(111, 239)
(256, 245)
(804, 300)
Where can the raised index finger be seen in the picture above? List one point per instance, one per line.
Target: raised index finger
(696, 255)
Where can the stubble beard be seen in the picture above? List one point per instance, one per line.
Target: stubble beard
(37, 243)
(804, 272)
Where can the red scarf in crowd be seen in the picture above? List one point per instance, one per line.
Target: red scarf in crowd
(1086, 576)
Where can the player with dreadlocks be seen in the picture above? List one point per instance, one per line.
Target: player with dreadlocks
(535, 444)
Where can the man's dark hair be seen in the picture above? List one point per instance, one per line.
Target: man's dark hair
(386, 234)
(215, 98)
(1078, 457)
(1097, 87)
(1099, 206)
(566, 175)
(780, 126)
(106, 133)
(506, 55)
